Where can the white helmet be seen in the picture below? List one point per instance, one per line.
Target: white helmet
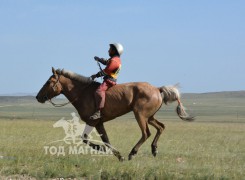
(118, 47)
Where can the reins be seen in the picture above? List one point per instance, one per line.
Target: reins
(64, 104)
(61, 105)
(99, 65)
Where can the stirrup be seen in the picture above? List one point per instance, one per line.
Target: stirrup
(95, 116)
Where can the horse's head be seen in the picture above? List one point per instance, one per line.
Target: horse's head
(50, 89)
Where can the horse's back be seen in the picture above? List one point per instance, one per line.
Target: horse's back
(128, 89)
(123, 98)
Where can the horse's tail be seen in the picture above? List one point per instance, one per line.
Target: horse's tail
(171, 94)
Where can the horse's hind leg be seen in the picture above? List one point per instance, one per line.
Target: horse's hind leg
(160, 127)
(142, 121)
(101, 130)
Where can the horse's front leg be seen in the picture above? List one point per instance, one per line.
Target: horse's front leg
(101, 130)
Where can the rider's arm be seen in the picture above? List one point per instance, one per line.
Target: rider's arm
(103, 61)
(101, 73)
(112, 67)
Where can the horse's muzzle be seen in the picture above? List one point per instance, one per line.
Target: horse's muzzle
(41, 99)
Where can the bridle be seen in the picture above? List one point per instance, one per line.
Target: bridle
(54, 87)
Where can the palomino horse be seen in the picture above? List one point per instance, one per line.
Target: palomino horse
(140, 97)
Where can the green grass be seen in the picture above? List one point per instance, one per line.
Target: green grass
(186, 150)
(212, 147)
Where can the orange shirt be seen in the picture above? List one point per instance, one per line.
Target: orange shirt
(113, 67)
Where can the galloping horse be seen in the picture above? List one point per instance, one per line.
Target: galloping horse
(140, 97)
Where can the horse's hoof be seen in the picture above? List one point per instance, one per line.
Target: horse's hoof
(121, 159)
(130, 157)
(132, 154)
(154, 151)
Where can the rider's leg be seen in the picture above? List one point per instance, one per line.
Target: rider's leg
(99, 100)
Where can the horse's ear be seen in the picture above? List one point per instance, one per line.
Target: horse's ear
(54, 71)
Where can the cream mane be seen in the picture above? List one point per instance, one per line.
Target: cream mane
(74, 76)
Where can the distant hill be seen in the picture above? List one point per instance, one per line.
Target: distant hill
(208, 107)
(19, 94)
(23, 99)
(16, 99)
(224, 94)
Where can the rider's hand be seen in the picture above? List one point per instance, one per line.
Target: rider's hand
(96, 58)
(93, 76)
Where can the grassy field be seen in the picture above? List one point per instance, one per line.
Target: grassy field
(212, 147)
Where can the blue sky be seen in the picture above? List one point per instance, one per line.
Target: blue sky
(199, 44)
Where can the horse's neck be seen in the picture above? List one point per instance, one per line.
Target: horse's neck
(71, 88)
(75, 91)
